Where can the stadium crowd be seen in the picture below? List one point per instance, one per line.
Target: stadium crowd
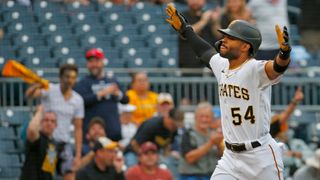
(91, 129)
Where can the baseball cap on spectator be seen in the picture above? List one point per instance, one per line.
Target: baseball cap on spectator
(148, 146)
(126, 108)
(165, 98)
(95, 53)
(105, 143)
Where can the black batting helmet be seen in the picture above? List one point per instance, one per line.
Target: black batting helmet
(246, 32)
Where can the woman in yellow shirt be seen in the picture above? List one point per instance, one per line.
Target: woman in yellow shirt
(141, 97)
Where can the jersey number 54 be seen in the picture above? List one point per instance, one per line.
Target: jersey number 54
(237, 117)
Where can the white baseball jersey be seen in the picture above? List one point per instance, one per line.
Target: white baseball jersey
(245, 97)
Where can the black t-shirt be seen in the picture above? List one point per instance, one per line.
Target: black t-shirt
(41, 159)
(187, 58)
(153, 130)
(92, 172)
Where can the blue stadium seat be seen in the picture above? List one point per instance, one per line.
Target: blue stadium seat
(55, 29)
(139, 62)
(131, 52)
(111, 53)
(169, 63)
(29, 40)
(77, 7)
(9, 173)
(18, 16)
(159, 40)
(13, 116)
(147, 8)
(117, 18)
(121, 29)
(79, 61)
(165, 52)
(6, 147)
(14, 6)
(18, 27)
(53, 18)
(91, 18)
(148, 18)
(39, 62)
(6, 41)
(115, 63)
(41, 7)
(100, 41)
(110, 7)
(152, 29)
(8, 52)
(129, 41)
(33, 51)
(7, 133)
(63, 40)
(9, 160)
(64, 52)
(87, 29)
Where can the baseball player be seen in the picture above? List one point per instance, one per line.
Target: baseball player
(244, 93)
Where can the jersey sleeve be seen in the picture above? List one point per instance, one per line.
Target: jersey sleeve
(218, 64)
(263, 80)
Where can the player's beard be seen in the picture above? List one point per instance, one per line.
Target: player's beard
(231, 54)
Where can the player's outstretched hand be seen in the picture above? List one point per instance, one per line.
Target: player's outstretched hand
(176, 19)
(283, 40)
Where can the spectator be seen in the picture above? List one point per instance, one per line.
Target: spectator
(200, 146)
(106, 164)
(141, 97)
(308, 26)
(205, 24)
(41, 152)
(268, 13)
(148, 167)
(295, 151)
(311, 171)
(96, 129)
(159, 130)
(101, 95)
(235, 9)
(128, 128)
(279, 122)
(68, 105)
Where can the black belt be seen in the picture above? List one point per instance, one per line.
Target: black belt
(239, 147)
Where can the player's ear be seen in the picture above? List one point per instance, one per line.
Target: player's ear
(245, 47)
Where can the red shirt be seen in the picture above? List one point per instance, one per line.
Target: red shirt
(136, 173)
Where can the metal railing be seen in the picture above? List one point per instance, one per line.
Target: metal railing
(193, 88)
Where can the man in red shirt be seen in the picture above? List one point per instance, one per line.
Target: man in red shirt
(148, 167)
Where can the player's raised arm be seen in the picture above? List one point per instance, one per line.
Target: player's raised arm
(203, 50)
(282, 60)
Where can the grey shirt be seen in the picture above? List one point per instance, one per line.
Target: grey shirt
(191, 140)
(267, 15)
(66, 110)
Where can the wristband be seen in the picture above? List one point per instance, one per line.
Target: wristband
(278, 68)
